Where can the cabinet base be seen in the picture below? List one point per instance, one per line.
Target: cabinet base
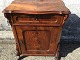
(22, 57)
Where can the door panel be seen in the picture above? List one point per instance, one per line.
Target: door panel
(38, 40)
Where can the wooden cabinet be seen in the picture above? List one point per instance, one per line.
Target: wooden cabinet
(37, 32)
(38, 37)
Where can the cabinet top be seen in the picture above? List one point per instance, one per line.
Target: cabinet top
(37, 7)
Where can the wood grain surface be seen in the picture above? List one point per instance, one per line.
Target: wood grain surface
(37, 7)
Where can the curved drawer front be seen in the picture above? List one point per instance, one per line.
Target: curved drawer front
(38, 19)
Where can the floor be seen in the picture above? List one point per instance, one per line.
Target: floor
(68, 51)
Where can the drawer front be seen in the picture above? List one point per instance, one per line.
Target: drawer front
(38, 40)
(38, 19)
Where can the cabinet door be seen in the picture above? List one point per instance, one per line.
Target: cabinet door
(38, 40)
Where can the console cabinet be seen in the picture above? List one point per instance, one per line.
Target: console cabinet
(36, 30)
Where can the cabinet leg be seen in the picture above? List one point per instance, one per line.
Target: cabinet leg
(21, 57)
(57, 57)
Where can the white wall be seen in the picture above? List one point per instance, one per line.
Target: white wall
(4, 3)
(73, 6)
(3, 21)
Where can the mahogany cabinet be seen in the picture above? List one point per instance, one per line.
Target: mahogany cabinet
(37, 26)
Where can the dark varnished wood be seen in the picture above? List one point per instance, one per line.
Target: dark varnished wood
(37, 26)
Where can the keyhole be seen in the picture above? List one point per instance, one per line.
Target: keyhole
(36, 19)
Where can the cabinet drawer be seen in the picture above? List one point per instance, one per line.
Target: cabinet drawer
(38, 19)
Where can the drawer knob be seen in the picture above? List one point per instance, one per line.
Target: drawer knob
(36, 19)
(56, 21)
